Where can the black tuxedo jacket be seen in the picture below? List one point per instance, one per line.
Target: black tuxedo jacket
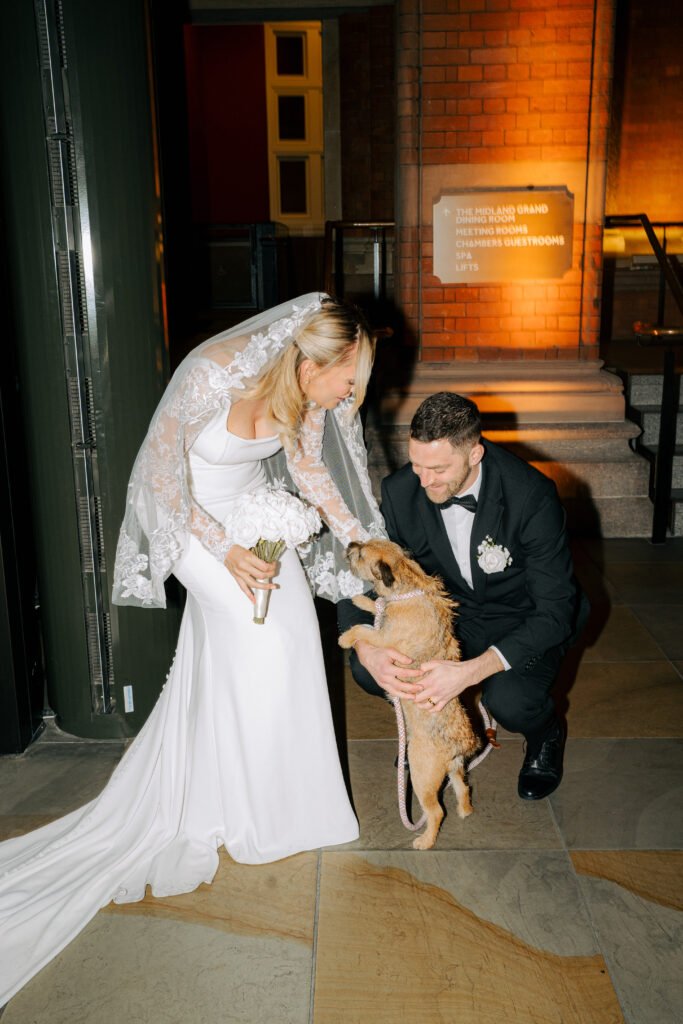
(532, 605)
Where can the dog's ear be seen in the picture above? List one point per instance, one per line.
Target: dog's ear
(383, 572)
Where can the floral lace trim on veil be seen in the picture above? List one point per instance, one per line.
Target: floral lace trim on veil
(160, 510)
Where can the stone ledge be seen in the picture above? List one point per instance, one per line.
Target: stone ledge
(602, 483)
(547, 442)
(567, 419)
(609, 517)
(527, 391)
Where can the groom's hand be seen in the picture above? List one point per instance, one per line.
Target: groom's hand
(447, 679)
(385, 666)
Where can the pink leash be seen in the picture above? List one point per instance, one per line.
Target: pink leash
(401, 775)
(489, 724)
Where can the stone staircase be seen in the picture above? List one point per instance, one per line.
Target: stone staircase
(603, 484)
(567, 420)
(643, 393)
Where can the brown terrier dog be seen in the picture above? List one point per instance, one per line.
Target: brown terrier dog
(420, 627)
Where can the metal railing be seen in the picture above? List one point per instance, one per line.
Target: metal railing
(251, 251)
(669, 267)
(669, 338)
(334, 254)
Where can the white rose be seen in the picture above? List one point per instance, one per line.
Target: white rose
(245, 533)
(270, 514)
(269, 525)
(492, 559)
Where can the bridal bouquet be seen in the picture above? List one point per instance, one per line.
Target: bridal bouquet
(268, 521)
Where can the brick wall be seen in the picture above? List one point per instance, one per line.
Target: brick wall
(646, 134)
(407, 274)
(502, 93)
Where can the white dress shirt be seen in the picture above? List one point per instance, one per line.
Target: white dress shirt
(458, 522)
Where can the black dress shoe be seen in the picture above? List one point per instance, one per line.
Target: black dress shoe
(541, 771)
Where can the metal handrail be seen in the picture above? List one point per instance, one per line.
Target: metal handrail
(666, 267)
(334, 246)
(669, 337)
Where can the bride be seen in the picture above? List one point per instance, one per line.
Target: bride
(239, 749)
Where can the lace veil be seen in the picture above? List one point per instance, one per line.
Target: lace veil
(328, 466)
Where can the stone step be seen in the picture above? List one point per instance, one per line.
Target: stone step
(645, 389)
(609, 517)
(677, 475)
(649, 420)
(603, 485)
(529, 392)
(644, 397)
(387, 443)
(678, 515)
(567, 420)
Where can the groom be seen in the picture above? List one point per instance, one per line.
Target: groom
(493, 529)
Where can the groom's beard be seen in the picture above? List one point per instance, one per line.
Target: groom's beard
(448, 490)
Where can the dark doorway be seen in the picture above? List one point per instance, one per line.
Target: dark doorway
(225, 194)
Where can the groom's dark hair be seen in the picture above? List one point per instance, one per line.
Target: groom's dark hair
(449, 416)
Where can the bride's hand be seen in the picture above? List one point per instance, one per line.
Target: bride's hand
(249, 570)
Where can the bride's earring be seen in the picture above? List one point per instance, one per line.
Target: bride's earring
(307, 377)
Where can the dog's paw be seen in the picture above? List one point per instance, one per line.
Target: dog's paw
(424, 842)
(464, 812)
(349, 638)
(346, 640)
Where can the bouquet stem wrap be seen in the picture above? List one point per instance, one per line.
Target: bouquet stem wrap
(261, 606)
(267, 521)
(269, 551)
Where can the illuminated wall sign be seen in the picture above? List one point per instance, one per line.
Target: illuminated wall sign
(506, 235)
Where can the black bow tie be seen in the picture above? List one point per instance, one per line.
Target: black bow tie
(467, 501)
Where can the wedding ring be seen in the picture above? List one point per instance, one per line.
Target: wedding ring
(433, 703)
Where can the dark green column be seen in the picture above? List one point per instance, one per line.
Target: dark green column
(81, 207)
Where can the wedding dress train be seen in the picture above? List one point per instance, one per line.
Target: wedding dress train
(239, 751)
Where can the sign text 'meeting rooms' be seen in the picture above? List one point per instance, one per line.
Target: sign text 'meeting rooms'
(505, 235)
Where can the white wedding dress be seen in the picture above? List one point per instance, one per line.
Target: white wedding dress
(239, 751)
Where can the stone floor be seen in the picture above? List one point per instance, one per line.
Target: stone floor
(565, 911)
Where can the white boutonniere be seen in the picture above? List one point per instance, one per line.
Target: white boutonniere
(493, 557)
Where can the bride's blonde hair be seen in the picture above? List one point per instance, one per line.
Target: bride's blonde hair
(328, 339)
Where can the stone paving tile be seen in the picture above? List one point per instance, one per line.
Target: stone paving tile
(654, 875)
(664, 622)
(641, 583)
(608, 551)
(239, 950)
(54, 779)
(12, 825)
(398, 942)
(620, 637)
(621, 794)
(635, 904)
(243, 948)
(628, 699)
(500, 820)
(367, 717)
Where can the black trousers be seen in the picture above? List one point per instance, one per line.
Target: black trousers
(520, 700)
